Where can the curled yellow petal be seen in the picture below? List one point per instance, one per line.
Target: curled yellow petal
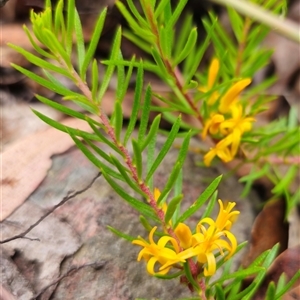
(213, 72)
(231, 95)
(211, 265)
(184, 234)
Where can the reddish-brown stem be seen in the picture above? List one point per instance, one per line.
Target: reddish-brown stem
(203, 289)
(173, 72)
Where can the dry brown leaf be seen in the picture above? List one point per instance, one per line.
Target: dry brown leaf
(269, 229)
(25, 163)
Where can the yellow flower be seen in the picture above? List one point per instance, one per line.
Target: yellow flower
(212, 125)
(231, 96)
(221, 150)
(236, 125)
(158, 253)
(205, 241)
(217, 236)
(226, 216)
(184, 234)
(201, 245)
(212, 75)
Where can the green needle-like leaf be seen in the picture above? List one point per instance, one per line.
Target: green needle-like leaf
(141, 207)
(172, 207)
(95, 79)
(177, 168)
(190, 44)
(177, 12)
(271, 291)
(145, 115)
(152, 132)
(118, 124)
(70, 26)
(124, 172)
(136, 104)
(166, 147)
(137, 158)
(115, 52)
(207, 193)
(66, 129)
(79, 41)
(104, 139)
(122, 235)
(93, 43)
(39, 61)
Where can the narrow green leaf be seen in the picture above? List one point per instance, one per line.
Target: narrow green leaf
(143, 23)
(35, 46)
(141, 43)
(115, 51)
(93, 42)
(124, 236)
(177, 13)
(286, 180)
(270, 294)
(171, 276)
(239, 275)
(40, 62)
(145, 223)
(127, 79)
(136, 104)
(95, 79)
(177, 192)
(172, 206)
(66, 129)
(211, 205)
(183, 34)
(192, 62)
(42, 81)
(166, 147)
(99, 151)
(152, 132)
(138, 30)
(137, 158)
(141, 207)
(190, 44)
(288, 285)
(160, 8)
(259, 278)
(157, 57)
(166, 40)
(189, 276)
(118, 124)
(237, 23)
(124, 172)
(104, 139)
(219, 292)
(150, 158)
(70, 26)
(177, 168)
(145, 115)
(79, 43)
(59, 19)
(207, 193)
(64, 109)
(57, 48)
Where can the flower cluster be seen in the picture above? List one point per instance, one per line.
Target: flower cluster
(211, 237)
(227, 121)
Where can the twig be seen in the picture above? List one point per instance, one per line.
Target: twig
(95, 265)
(65, 199)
